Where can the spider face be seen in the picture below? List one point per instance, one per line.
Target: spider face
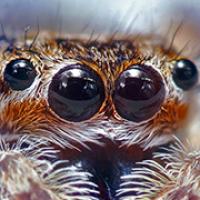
(117, 98)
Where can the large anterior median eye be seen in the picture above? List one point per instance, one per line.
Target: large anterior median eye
(139, 93)
(76, 93)
(185, 74)
(19, 74)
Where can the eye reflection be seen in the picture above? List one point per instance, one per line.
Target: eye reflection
(139, 93)
(19, 74)
(76, 93)
(185, 74)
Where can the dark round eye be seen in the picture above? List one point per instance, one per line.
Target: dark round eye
(139, 93)
(76, 93)
(185, 74)
(19, 74)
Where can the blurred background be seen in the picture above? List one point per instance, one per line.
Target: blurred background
(106, 16)
(103, 15)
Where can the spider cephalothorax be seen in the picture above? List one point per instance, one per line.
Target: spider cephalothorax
(118, 98)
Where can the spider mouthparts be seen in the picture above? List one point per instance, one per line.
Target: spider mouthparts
(108, 164)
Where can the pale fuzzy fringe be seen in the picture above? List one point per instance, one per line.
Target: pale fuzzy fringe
(178, 180)
(23, 172)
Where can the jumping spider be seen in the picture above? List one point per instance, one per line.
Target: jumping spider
(95, 119)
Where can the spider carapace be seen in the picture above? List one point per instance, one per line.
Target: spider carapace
(83, 114)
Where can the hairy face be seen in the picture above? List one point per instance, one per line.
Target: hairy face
(81, 91)
(121, 98)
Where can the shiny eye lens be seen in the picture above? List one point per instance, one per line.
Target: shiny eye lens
(19, 74)
(185, 74)
(76, 93)
(139, 93)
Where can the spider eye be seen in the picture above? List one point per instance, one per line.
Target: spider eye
(76, 93)
(185, 74)
(139, 93)
(19, 74)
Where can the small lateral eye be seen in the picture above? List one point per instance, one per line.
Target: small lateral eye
(76, 93)
(19, 74)
(139, 93)
(185, 74)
